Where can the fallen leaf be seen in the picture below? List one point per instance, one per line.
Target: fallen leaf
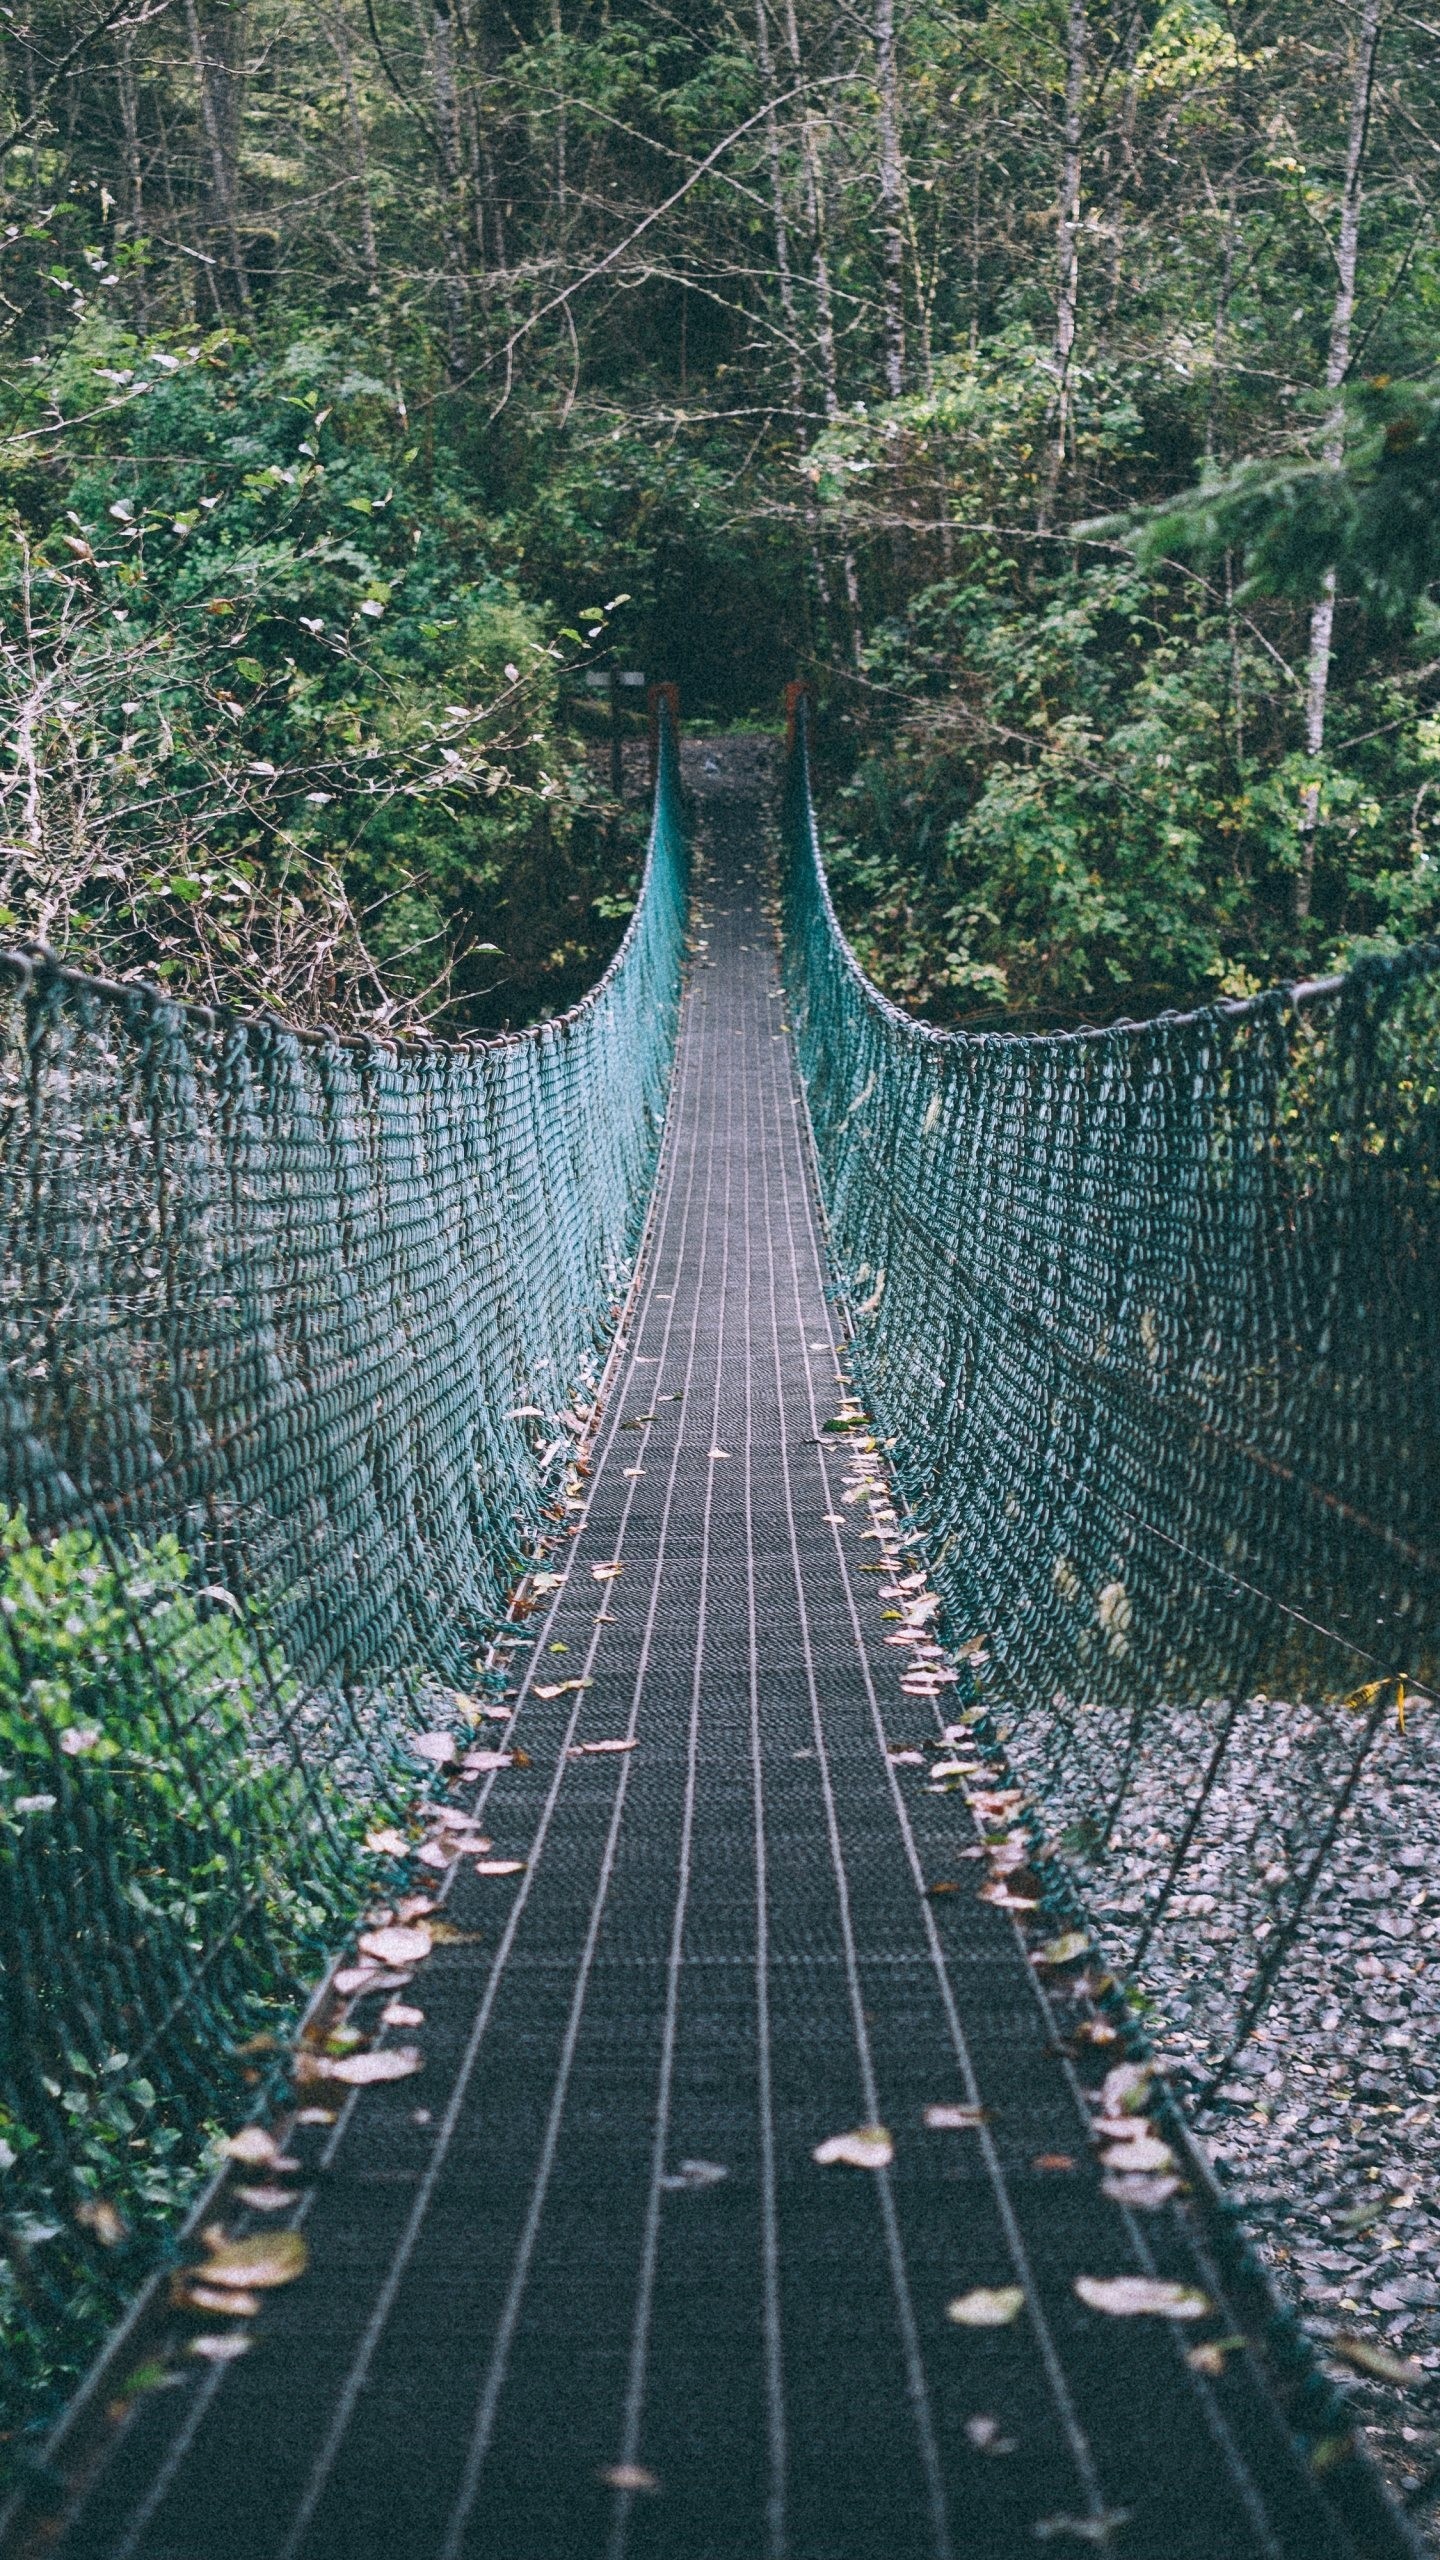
(1048, 2160)
(582, 1750)
(988, 2436)
(868, 2147)
(98, 2214)
(316, 2115)
(256, 2264)
(433, 1855)
(1096, 2031)
(1123, 2297)
(1210, 2357)
(1145, 2193)
(401, 2013)
(362, 2070)
(398, 1945)
(944, 1886)
(987, 2307)
(213, 2297)
(1127, 2089)
(1146, 2152)
(950, 1769)
(694, 2173)
(478, 1762)
(558, 1688)
(605, 1572)
(907, 1759)
(1097, 2530)
(388, 1843)
(629, 2475)
(956, 2119)
(1000, 1897)
(266, 2199)
(222, 2347)
(1066, 1949)
(356, 1977)
(1368, 2358)
(499, 1866)
(414, 1906)
(440, 1748)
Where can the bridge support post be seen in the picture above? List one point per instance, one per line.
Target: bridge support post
(670, 695)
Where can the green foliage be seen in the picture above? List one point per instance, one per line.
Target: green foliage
(1373, 518)
(150, 1809)
(282, 731)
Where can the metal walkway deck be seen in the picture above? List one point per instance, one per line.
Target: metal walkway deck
(721, 1950)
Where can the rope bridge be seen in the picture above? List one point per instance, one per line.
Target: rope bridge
(757, 2203)
(294, 1330)
(1148, 1315)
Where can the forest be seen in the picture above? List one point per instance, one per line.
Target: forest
(1049, 383)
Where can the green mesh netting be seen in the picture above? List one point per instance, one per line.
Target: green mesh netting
(294, 1334)
(1148, 1317)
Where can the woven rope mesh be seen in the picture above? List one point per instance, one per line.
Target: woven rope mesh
(294, 1337)
(1148, 1318)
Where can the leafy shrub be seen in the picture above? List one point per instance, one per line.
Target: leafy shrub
(170, 1869)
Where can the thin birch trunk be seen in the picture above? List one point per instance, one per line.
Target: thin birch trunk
(785, 273)
(338, 33)
(447, 125)
(134, 169)
(1067, 246)
(1322, 619)
(892, 197)
(221, 174)
(824, 303)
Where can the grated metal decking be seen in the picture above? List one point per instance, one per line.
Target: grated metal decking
(720, 1951)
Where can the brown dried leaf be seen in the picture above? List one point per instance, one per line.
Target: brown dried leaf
(987, 2307)
(214, 2297)
(868, 2147)
(402, 1944)
(438, 1748)
(364, 2070)
(387, 1843)
(956, 2119)
(1134, 2159)
(1366, 2357)
(1143, 2194)
(1068, 1948)
(255, 2264)
(1129, 2297)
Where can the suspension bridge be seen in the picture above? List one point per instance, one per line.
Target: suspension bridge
(668, 1561)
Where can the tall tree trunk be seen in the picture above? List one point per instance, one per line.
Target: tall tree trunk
(134, 168)
(785, 274)
(221, 170)
(446, 102)
(557, 31)
(892, 197)
(1067, 249)
(1322, 619)
(1123, 173)
(338, 32)
(815, 208)
(1221, 330)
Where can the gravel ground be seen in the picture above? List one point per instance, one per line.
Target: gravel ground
(1328, 2129)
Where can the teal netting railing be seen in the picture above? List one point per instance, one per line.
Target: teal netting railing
(1149, 1319)
(294, 1331)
